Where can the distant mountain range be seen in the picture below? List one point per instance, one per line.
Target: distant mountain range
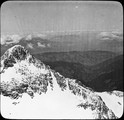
(63, 42)
(85, 57)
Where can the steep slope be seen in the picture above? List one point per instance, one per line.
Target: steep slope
(30, 89)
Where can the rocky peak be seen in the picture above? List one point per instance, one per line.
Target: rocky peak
(16, 54)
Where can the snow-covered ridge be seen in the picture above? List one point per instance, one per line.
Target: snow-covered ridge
(24, 77)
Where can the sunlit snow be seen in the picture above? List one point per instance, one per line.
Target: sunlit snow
(114, 102)
(53, 104)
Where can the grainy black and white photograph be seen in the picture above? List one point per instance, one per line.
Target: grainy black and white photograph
(61, 60)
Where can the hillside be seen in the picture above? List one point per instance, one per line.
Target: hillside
(109, 74)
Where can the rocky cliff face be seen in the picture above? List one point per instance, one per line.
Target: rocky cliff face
(49, 94)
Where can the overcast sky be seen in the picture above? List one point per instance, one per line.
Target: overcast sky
(37, 17)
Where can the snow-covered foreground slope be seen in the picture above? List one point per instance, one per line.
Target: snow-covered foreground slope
(50, 105)
(114, 101)
(30, 89)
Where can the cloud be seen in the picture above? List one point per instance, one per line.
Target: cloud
(110, 35)
(8, 39)
(2, 40)
(41, 45)
(105, 34)
(30, 45)
(41, 35)
(29, 37)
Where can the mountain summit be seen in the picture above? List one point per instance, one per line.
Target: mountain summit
(30, 89)
(12, 55)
